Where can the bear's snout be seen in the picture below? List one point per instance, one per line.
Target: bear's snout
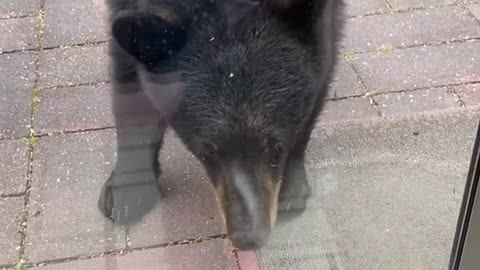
(249, 201)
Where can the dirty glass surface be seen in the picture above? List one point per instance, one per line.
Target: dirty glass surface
(387, 159)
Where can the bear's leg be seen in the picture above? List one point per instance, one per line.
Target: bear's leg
(295, 189)
(132, 190)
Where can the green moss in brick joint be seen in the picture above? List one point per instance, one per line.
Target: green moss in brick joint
(385, 49)
(350, 56)
(19, 266)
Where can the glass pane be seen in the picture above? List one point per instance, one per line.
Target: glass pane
(467, 236)
(386, 195)
(163, 134)
(469, 258)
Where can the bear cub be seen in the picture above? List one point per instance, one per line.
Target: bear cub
(240, 82)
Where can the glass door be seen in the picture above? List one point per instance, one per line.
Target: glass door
(467, 240)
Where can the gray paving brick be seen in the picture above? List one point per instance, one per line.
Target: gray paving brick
(407, 4)
(74, 108)
(409, 28)
(68, 22)
(420, 67)
(17, 34)
(417, 101)
(359, 8)
(475, 10)
(344, 83)
(11, 211)
(15, 93)
(188, 209)
(211, 255)
(68, 172)
(470, 94)
(347, 109)
(9, 8)
(13, 166)
(71, 66)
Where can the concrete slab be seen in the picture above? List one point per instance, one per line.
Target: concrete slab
(386, 195)
(13, 166)
(68, 172)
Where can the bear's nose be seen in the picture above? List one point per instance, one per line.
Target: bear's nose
(250, 240)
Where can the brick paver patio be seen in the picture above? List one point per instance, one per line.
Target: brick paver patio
(57, 137)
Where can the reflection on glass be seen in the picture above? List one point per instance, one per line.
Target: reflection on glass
(235, 134)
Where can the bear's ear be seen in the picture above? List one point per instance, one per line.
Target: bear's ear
(235, 11)
(148, 37)
(304, 18)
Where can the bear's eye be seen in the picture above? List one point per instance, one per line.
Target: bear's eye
(209, 151)
(273, 145)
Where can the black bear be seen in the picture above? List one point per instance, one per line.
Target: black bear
(241, 82)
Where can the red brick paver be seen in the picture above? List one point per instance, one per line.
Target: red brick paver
(421, 67)
(17, 71)
(410, 4)
(345, 83)
(406, 29)
(11, 211)
(9, 8)
(13, 166)
(418, 101)
(359, 8)
(247, 260)
(347, 109)
(188, 209)
(469, 94)
(68, 171)
(74, 108)
(211, 255)
(475, 10)
(18, 34)
(72, 66)
(68, 23)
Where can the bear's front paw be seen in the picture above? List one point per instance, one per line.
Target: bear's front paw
(127, 197)
(292, 201)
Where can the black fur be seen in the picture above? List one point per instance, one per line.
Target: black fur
(241, 89)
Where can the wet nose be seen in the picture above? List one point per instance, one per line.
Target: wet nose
(249, 240)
